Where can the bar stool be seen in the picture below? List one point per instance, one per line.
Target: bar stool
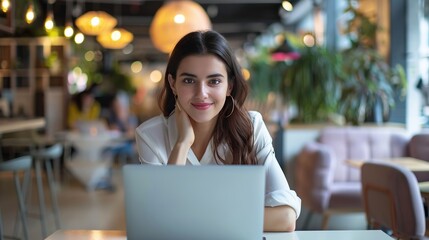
(44, 155)
(21, 164)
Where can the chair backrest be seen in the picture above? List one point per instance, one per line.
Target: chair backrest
(362, 143)
(418, 146)
(392, 199)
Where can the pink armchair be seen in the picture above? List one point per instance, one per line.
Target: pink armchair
(392, 200)
(325, 182)
(419, 148)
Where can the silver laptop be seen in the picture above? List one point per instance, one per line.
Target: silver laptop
(194, 202)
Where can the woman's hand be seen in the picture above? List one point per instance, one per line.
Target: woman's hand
(184, 128)
(185, 137)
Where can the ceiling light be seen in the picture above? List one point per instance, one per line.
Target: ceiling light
(95, 22)
(68, 30)
(79, 38)
(5, 5)
(174, 20)
(30, 15)
(49, 22)
(116, 39)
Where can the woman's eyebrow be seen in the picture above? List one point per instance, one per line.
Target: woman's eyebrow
(215, 75)
(187, 75)
(193, 75)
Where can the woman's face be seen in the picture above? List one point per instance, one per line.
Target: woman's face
(87, 100)
(201, 86)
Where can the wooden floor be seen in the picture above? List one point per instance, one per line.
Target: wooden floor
(79, 208)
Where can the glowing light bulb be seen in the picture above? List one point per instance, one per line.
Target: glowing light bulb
(5, 4)
(95, 21)
(49, 23)
(68, 31)
(179, 18)
(116, 35)
(29, 15)
(79, 38)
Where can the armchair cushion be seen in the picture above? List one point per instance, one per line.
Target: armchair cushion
(324, 179)
(315, 175)
(419, 146)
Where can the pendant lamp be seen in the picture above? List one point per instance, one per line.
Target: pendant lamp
(115, 39)
(174, 20)
(95, 22)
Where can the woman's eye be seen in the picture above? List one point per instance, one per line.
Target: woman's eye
(214, 81)
(188, 80)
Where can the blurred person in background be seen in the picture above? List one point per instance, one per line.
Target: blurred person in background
(83, 107)
(124, 121)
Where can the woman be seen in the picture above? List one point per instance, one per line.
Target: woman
(83, 108)
(204, 122)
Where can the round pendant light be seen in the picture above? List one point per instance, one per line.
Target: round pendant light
(95, 22)
(174, 20)
(117, 38)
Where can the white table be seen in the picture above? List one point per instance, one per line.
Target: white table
(9, 125)
(298, 235)
(90, 165)
(13, 125)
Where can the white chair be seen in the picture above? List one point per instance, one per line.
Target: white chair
(41, 156)
(21, 164)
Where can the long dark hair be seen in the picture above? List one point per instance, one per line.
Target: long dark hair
(79, 99)
(234, 126)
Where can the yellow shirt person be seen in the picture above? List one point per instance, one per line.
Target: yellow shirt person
(84, 108)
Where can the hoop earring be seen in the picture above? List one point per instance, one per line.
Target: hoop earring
(233, 107)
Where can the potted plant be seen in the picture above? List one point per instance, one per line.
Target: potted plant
(306, 79)
(371, 86)
(312, 84)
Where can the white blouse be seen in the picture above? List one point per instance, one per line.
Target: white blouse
(157, 136)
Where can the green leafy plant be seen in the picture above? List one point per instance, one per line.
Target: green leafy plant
(266, 77)
(313, 84)
(371, 85)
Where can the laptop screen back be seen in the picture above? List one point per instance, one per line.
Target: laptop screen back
(194, 202)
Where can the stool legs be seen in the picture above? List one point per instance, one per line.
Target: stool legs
(53, 192)
(41, 197)
(1, 227)
(21, 164)
(41, 193)
(22, 210)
